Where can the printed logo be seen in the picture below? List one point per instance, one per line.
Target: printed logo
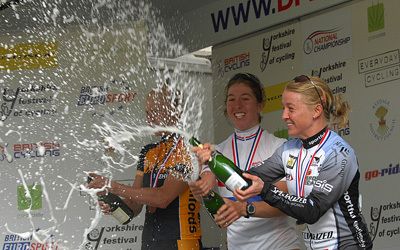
(233, 63)
(373, 174)
(384, 220)
(115, 92)
(106, 236)
(23, 97)
(31, 198)
(291, 161)
(13, 241)
(328, 75)
(321, 40)
(376, 17)
(381, 68)
(279, 49)
(36, 150)
(383, 127)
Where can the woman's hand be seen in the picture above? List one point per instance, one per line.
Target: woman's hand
(105, 208)
(230, 212)
(253, 190)
(98, 182)
(203, 153)
(202, 186)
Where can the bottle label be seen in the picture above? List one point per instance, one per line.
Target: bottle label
(235, 181)
(120, 215)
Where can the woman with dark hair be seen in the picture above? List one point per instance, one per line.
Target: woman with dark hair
(248, 147)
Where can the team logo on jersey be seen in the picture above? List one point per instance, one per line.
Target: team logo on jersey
(291, 161)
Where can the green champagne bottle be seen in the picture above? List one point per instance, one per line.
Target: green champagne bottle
(225, 170)
(212, 202)
(119, 209)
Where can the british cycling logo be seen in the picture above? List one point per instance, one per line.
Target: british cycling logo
(29, 151)
(384, 124)
(233, 63)
(322, 40)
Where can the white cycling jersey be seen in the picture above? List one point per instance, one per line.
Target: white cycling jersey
(248, 149)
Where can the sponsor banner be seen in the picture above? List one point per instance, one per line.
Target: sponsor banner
(225, 20)
(28, 56)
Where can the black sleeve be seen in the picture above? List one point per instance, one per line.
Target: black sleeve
(271, 170)
(335, 176)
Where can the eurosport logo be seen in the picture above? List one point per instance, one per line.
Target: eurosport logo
(114, 92)
(29, 151)
(233, 63)
(322, 40)
(13, 242)
(392, 169)
(12, 97)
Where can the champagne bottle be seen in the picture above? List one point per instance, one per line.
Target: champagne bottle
(119, 209)
(212, 202)
(225, 170)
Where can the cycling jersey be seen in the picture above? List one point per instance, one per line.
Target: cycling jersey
(322, 177)
(247, 149)
(178, 225)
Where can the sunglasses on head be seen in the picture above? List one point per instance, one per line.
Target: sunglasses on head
(304, 78)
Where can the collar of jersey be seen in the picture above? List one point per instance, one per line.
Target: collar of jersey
(313, 140)
(248, 134)
(168, 137)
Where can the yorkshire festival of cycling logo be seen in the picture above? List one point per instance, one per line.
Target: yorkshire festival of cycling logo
(384, 124)
(322, 40)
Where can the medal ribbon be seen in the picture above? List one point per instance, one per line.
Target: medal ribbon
(301, 176)
(161, 167)
(252, 152)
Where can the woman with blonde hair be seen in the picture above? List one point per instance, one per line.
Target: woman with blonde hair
(321, 170)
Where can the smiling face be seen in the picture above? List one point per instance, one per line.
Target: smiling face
(242, 107)
(298, 116)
